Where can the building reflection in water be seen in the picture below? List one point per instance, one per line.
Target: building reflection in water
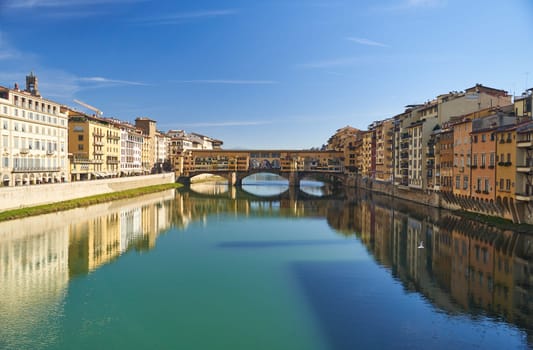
(465, 267)
(38, 255)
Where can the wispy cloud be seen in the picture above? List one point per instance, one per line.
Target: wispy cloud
(6, 50)
(228, 82)
(107, 81)
(335, 62)
(424, 3)
(228, 123)
(182, 17)
(24, 4)
(367, 42)
(403, 5)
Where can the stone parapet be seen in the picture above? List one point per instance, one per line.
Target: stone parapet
(28, 196)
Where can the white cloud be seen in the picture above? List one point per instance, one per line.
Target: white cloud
(228, 82)
(367, 42)
(106, 81)
(182, 17)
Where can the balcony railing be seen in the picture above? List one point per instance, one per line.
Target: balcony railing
(22, 169)
(524, 197)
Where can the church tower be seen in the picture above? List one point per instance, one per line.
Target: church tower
(32, 84)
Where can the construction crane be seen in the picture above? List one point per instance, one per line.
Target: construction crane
(98, 112)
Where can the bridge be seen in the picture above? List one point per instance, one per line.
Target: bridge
(235, 165)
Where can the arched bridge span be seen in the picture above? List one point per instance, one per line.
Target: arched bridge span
(239, 164)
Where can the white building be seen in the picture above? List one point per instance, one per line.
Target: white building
(33, 137)
(131, 142)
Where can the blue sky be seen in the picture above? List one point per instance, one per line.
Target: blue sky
(263, 74)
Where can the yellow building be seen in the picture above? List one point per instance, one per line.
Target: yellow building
(384, 149)
(506, 166)
(368, 155)
(94, 147)
(148, 127)
(346, 140)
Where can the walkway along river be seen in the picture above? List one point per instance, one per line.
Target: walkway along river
(184, 269)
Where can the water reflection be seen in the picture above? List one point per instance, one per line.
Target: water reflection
(38, 256)
(465, 268)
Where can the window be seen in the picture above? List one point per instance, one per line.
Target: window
(487, 185)
(483, 137)
(492, 159)
(483, 160)
(458, 182)
(80, 137)
(465, 183)
(475, 160)
(80, 147)
(508, 185)
(501, 184)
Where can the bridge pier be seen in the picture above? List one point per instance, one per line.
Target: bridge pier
(294, 179)
(184, 180)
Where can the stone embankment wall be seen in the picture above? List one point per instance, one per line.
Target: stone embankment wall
(28, 196)
(518, 213)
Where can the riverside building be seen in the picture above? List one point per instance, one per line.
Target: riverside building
(33, 137)
(94, 147)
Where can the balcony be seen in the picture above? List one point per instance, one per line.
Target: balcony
(24, 151)
(524, 143)
(524, 197)
(528, 169)
(21, 169)
(79, 160)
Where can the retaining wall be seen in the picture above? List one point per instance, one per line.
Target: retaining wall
(28, 196)
(518, 213)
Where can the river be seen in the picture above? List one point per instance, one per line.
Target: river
(253, 268)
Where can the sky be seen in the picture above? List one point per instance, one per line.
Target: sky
(265, 74)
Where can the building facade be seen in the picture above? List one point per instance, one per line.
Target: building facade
(94, 147)
(33, 135)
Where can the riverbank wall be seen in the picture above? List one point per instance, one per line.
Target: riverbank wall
(520, 213)
(33, 195)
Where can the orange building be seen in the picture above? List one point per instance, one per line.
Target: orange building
(483, 164)
(461, 161)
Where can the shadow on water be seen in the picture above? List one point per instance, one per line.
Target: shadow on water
(280, 244)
